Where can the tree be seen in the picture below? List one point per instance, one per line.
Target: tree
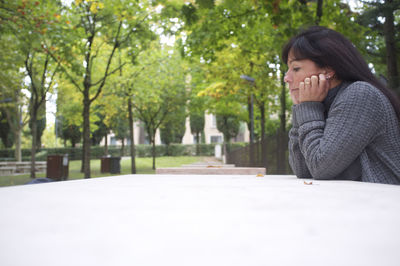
(125, 83)
(197, 122)
(29, 22)
(69, 109)
(238, 42)
(39, 88)
(104, 26)
(12, 99)
(120, 127)
(101, 129)
(173, 127)
(68, 132)
(228, 124)
(196, 105)
(160, 91)
(379, 17)
(5, 131)
(11, 79)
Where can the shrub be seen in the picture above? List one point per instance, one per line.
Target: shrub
(142, 150)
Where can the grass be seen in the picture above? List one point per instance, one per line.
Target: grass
(143, 166)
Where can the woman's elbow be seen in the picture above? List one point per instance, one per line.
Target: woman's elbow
(322, 173)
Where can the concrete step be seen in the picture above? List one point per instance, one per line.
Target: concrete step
(208, 165)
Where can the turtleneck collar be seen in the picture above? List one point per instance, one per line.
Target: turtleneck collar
(332, 94)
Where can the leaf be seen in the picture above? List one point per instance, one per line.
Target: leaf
(93, 8)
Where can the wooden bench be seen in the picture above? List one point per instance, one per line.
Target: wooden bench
(9, 168)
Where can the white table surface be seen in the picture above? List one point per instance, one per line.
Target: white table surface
(200, 220)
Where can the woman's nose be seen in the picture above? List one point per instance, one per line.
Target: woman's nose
(287, 78)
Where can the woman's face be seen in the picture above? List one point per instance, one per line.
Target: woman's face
(298, 71)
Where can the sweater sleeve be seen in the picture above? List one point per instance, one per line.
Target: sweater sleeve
(330, 146)
(296, 158)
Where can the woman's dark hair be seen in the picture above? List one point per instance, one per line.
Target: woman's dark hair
(329, 48)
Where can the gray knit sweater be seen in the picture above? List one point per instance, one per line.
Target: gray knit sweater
(353, 135)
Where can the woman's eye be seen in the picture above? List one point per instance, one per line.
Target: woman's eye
(295, 69)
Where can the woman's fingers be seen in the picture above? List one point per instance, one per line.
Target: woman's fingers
(314, 84)
(313, 89)
(324, 83)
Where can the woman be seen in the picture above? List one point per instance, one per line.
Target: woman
(345, 122)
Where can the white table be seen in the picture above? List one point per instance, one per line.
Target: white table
(160, 220)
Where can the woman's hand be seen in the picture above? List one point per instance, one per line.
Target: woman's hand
(313, 89)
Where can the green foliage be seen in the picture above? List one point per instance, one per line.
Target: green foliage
(173, 128)
(40, 127)
(142, 150)
(189, 12)
(205, 3)
(69, 105)
(228, 125)
(121, 128)
(197, 122)
(160, 91)
(72, 133)
(6, 136)
(375, 17)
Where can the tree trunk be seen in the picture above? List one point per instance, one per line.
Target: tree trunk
(18, 155)
(86, 136)
(34, 135)
(17, 130)
(391, 57)
(16, 126)
(282, 144)
(250, 125)
(106, 145)
(122, 147)
(319, 12)
(225, 152)
(262, 121)
(197, 143)
(263, 142)
(131, 136)
(154, 151)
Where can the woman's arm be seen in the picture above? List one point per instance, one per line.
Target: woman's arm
(354, 119)
(296, 158)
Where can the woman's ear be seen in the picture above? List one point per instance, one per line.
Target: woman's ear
(330, 73)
